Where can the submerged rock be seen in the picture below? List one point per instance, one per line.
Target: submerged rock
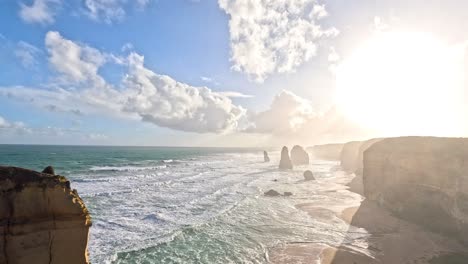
(288, 193)
(265, 157)
(299, 156)
(308, 175)
(272, 193)
(49, 170)
(41, 218)
(285, 162)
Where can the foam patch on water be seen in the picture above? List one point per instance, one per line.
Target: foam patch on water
(209, 209)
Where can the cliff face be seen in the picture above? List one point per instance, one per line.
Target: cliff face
(421, 179)
(41, 219)
(349, 155)
(327, 152)
(352, 155)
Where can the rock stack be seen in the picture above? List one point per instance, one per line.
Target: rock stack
(299, 156)
(308, 175)
(265, 157)
(42, 220)
(285, 162)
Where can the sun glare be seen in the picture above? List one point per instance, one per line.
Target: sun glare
(403, 83)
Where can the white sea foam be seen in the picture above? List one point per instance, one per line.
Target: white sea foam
(211, 206)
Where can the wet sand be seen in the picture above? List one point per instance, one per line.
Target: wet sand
(391, 241)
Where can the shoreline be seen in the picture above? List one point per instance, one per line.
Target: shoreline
(391, 239)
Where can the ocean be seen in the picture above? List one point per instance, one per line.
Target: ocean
(197, 205)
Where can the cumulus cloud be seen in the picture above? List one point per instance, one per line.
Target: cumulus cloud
(27, 54)
(77, 63)
(162, 100)
(274, 36)
(142, 94)
(40, 11)
(293, 118)
(287, 113)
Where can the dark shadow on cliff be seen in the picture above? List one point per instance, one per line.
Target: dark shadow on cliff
(391, 239)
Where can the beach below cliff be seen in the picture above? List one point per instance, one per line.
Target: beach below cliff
(388, 240)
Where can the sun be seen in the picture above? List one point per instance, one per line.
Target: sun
(403, 83)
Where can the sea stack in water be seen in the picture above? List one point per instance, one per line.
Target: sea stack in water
(285, 162)
(299, 156)
(308, 175)
(265, 157)
(42, 220)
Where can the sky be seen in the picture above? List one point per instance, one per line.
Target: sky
(230, 72)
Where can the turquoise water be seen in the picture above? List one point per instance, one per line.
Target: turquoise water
(195, 205)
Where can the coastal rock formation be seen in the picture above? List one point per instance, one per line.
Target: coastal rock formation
(49, 170)
(42, 220)
(287, 194)
(421, 179)
(265, 157)
(285, 162)
(327, 152)
(272, 193)
(352, 155)
(299, 156)
(308, 175)
(349, 156)
(360, 158)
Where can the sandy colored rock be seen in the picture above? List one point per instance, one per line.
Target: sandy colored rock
(308, 175)
(272, 193)
(265, 157)
(299, 156)
(285, 162)
(421, 179)
(42, 220)
(349, 156)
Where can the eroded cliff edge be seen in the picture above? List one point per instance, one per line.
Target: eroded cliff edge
(42, 220)
(421, 179)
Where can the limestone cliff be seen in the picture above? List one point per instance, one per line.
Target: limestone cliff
(42, 220)
(349, 155)
(327, 152)
(421, 179)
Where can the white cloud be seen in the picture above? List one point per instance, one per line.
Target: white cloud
(274, 36)
(40, 11)
(127, 47)
(111, 11)
(233, 94)
(142, 94)
(22, 130)
(293, 119)
(26, 53)
(77, 63)
(12, 127)
(287, 113)
(161, 100)
(107, 10)
(209, 80)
